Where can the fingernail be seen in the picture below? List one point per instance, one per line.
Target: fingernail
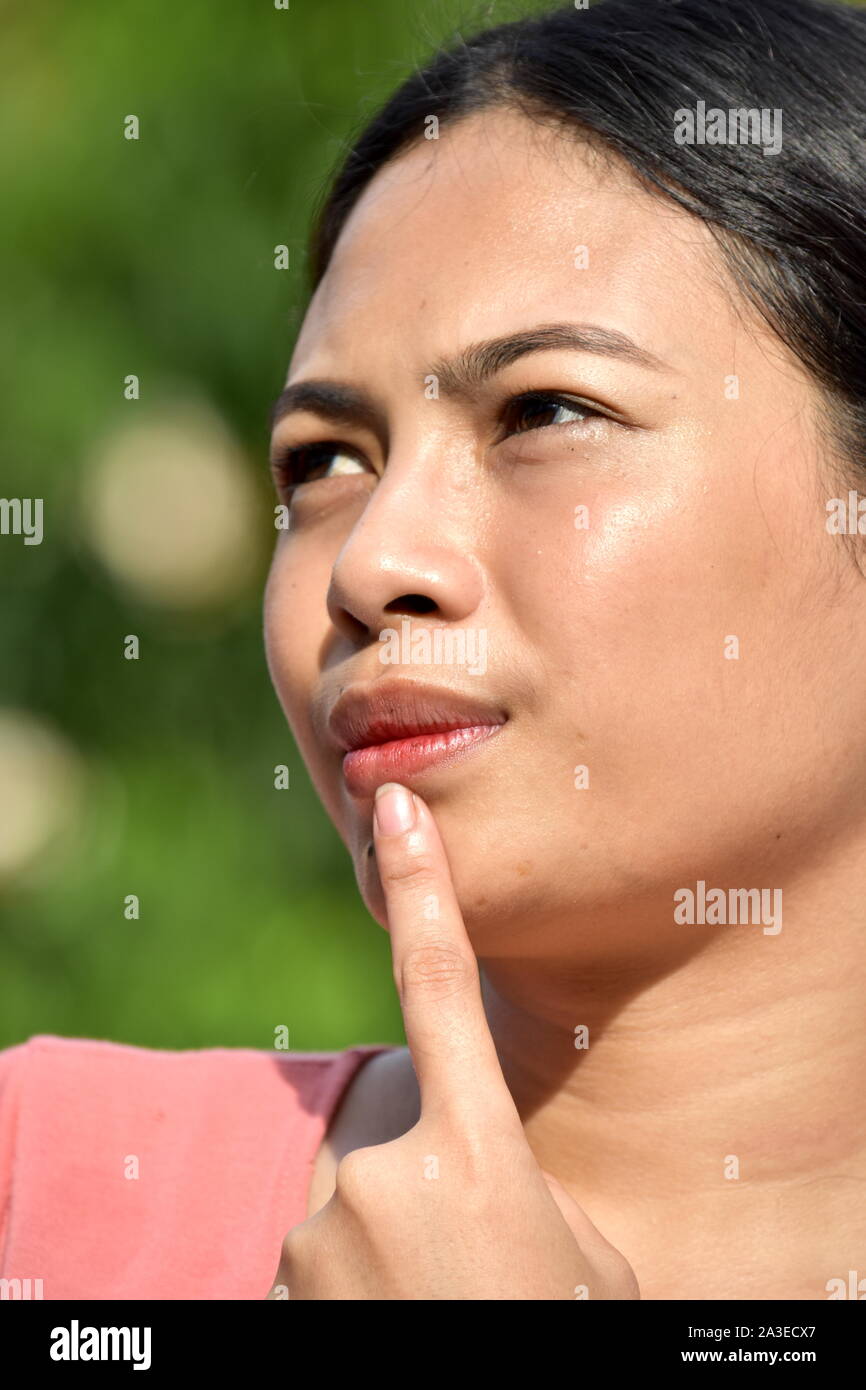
(394, 809)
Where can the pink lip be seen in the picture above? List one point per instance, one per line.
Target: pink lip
(365, 769)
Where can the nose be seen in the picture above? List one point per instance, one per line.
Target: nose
(411, 552)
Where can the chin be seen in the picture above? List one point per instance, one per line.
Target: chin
(370, 887)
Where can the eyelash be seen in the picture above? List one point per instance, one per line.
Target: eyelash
(292, 465)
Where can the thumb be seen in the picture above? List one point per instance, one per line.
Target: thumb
(585, 1232)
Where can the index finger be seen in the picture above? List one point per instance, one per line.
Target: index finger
(435, 968)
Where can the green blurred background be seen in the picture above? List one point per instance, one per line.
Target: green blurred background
(155, 257)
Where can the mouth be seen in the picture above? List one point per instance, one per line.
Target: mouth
(393, 731)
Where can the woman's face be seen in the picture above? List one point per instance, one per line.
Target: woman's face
(646, 558)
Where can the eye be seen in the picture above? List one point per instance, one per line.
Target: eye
(308, 462)
(537, 409)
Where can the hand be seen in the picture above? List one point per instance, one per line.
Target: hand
(458, 1207)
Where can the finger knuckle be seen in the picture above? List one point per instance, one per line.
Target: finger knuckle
(293, 1249)
(359, 1174)
(434, 969)
(409, 868)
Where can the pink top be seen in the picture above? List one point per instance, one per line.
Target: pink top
(129, 1172)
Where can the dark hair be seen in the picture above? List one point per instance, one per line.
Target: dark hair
(790, 224)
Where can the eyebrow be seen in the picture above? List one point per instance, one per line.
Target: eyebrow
(462, 374)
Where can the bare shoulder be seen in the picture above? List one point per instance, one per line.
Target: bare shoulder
(380, 1104)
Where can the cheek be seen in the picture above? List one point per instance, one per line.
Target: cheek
(600, 571)
(665, 628)
(641, 570)
(295, 622)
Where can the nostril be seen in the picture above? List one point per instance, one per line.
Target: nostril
(412, 603)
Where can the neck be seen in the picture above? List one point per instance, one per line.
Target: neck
(714, 1126)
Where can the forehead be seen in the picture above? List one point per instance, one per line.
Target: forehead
(500, 222)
